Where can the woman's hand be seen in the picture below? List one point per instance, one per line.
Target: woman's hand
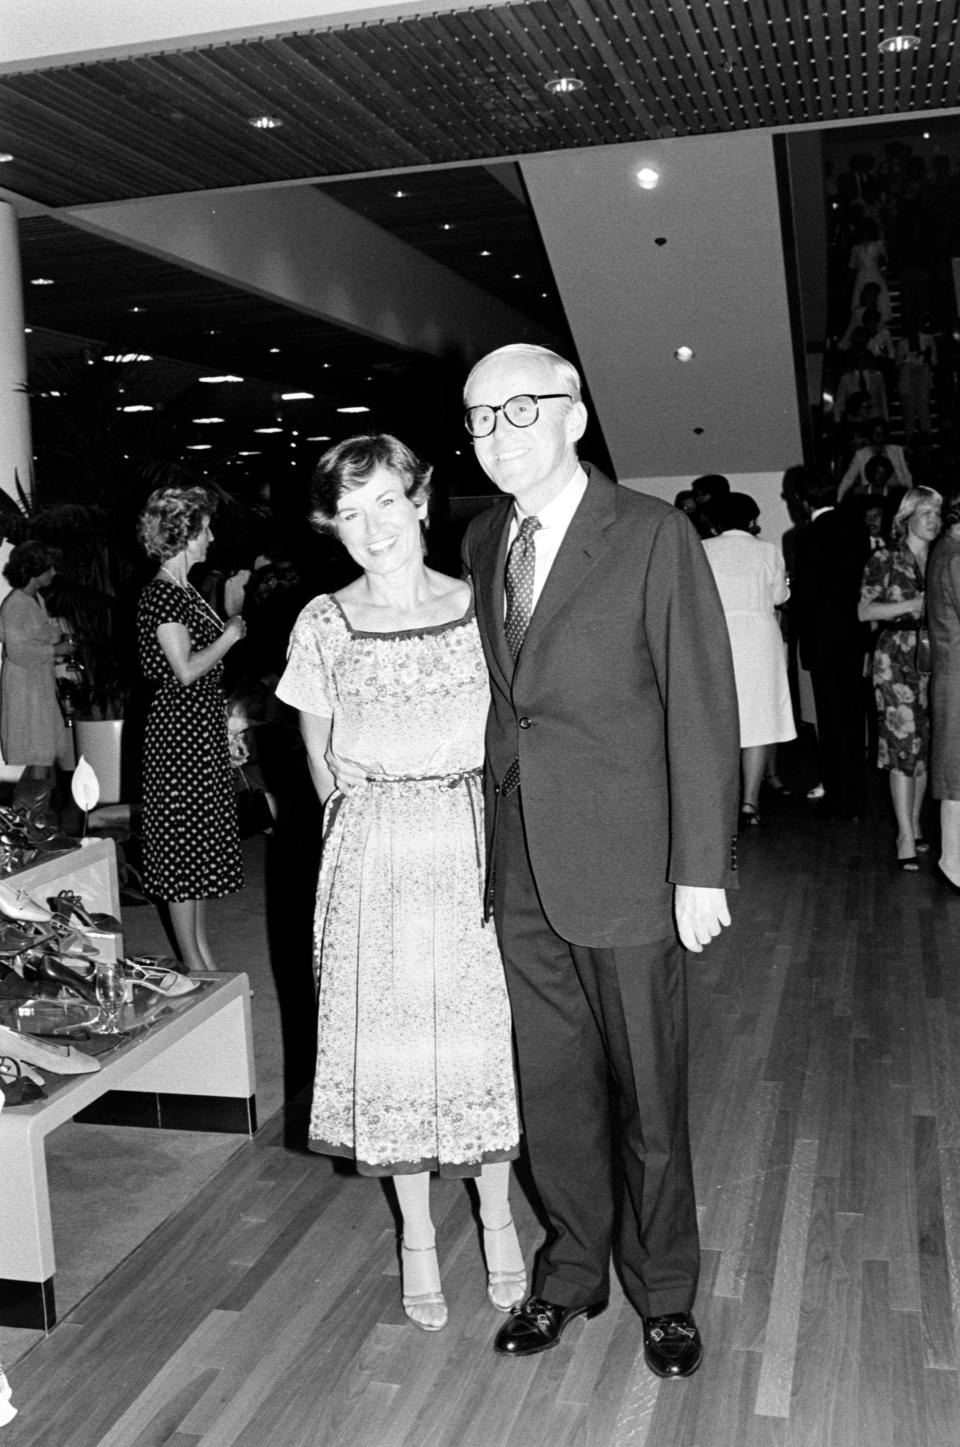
(235, 629)
(347, 774)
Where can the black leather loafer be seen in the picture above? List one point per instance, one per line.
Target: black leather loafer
(672, 1345)
(536, 1325)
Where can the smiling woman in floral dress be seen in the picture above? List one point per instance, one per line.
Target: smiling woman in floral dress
(414, 1061)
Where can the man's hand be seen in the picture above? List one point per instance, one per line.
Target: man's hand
(700, 914)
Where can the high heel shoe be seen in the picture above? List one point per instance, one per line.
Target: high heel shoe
(506, 1282)
(17, 904)
(160, 980)
(426, 1309)
(47, 969)
(16, 939)
(67, 903)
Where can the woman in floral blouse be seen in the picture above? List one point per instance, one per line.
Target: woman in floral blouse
(892, 596)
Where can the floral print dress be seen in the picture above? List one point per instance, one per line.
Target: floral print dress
(901, 692)
(414, 1058)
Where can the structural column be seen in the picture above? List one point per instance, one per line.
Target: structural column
(16, 451)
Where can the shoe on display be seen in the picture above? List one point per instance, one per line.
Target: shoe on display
(59, 1059)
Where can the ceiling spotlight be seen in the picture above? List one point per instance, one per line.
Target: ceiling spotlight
(135, 309)
(5, 156)
(894, 44)
(486, 253)
(198, 447)
(647, 178)
(399, 195)
(268, 429)
(265, 123)
(684, 354)
(41, 281)
(296, 396)
(353, 409)
(137, 407)
(564, 85)
(226, 378)
(203, 421)
(274, 350)
(249, 454)
(128, 357)
(323, 438)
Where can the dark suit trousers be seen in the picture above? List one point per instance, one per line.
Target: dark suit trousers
(600, 1033)
(838, 697)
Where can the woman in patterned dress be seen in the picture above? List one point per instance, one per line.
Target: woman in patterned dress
(892, 595)
(414, 1061)
(190, 834)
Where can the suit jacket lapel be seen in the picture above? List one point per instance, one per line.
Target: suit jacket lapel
(490, 560)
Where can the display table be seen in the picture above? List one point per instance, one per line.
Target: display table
(190, 1068)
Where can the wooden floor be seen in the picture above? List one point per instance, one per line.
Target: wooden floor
(825, 1094)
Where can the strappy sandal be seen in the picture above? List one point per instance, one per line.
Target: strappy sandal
(426, 1309)
(160, 980)
(67, 903)
(506, 1283)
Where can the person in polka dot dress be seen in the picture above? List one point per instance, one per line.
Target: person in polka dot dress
(191, 837)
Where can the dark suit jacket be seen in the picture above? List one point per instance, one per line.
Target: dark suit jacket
(622, 710)
(830, 554)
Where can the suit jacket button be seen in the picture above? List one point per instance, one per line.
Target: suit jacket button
(525, 723)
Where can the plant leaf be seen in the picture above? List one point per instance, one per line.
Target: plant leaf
(85, 787)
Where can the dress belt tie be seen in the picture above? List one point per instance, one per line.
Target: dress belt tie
(469, 777)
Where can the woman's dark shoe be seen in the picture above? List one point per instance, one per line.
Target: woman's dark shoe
(750, 816)
(672, 1345)
(536, 1325)
(920, 845)
(776, 786)
(909, 865)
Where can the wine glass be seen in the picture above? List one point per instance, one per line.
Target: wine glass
(110, 992)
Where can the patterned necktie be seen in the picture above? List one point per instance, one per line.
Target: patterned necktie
(518, 583)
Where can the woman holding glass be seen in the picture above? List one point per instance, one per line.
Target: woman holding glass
(190, 836)
(892, 596)
(414, 1062)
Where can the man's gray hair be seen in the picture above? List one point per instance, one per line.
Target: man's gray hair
(568, 378)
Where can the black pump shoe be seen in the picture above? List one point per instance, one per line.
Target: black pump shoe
(47, 969)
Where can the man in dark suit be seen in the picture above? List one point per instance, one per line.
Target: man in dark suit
(829, 555)
(612, 754)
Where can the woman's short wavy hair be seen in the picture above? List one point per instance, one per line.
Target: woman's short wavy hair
(353, 462)
(28, 560)
(913, 498)
(170, 517)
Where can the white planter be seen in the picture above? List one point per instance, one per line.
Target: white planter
(100, 742)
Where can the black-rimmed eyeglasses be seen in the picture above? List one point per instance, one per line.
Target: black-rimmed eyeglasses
(520, 411)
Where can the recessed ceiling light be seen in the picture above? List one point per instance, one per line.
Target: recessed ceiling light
(486, 253)
(324, 438)
(265, 123)
(894, 44)
(684, 354)
(268, 429)
(647, 178)
(226, 378)
(127, 357)
(202, 421)
(249, 454)
(41, 281)
(564, 85)
(296, 396)
(353, 409)
(5, 156)
(517, 276)
(274, 350)
(446, 226)
(135, 309)
(198, 446)
(137, 407)
(400, 195)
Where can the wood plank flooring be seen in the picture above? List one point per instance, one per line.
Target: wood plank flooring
(825, 1095)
